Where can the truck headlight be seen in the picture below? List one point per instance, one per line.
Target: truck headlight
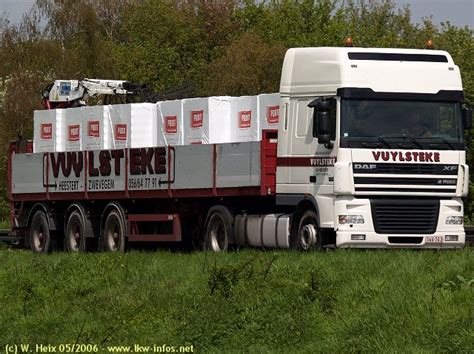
(454, 220)
(351, 219)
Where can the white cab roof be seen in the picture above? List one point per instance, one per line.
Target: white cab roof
(310, 71)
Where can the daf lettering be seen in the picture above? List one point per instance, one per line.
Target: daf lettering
(365, 166)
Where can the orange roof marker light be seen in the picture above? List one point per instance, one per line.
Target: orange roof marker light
(348, 42)
(429, 44)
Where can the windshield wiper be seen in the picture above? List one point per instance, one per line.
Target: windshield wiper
(383, 141)
(372, 145)
(412, 139)
(379, 144)
(445, 141)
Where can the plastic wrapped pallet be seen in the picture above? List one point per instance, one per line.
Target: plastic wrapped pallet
(93, 127)
(243, 119)
(170, 121)
(74, 125)
(220, 129)
(268, 111)
(131, 125)
(220, 119)
(196, 121)
(49, 130)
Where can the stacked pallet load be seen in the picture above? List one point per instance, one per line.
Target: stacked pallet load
(132, 125)
(220, 119)
(207, 120)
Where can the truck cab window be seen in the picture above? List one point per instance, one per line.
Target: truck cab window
(404, 124)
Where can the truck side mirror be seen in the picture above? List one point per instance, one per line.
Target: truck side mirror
(321, 124)
(467, 118)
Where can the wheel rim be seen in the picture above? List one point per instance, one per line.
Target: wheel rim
(113, 233)
(217, 234)
(39, 237)
(74, 235)
(308, 235)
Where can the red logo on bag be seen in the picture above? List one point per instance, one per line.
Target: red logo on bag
(120, 131)
(47, 131)
(74, 132)
(93, 128)
(171, 124)
(197, 118)
(245, 119)
(273, 114)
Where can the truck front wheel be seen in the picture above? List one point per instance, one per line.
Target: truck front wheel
(113, 237)
(219, 229)
(40, 233)
(308, 235)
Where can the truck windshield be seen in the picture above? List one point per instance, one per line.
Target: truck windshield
(401, 124)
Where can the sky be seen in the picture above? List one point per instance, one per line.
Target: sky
(459, 12)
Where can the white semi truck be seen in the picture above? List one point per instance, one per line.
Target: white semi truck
(369, 152)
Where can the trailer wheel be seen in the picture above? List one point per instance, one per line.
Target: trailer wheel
(308, 236)
(219, 229)
(40, 233)
(113, 237)
(75, 235)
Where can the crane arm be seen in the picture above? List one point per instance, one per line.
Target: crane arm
(70, 93)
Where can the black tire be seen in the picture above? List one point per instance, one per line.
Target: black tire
(39, 239)
(219, 231)
(75, 238)
(114, 233)
(307, 235)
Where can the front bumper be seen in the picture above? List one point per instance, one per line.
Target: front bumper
(349, 235)
(374, 240)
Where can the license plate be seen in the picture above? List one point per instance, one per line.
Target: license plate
(434, 239)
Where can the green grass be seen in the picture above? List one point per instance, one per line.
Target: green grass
(250, 300)
(4, 224)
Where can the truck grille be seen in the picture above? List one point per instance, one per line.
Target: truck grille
(400, 168)
(372, 177)
(396, 216)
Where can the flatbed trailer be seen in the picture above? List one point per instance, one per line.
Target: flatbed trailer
(146, 186)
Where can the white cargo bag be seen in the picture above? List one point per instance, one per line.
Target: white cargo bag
(93, 127)
(131, 125)
(220, 119)
(220, 128)
(74, 125)
(170, 121)
(196, 121)
(244, 119)
(268, 111)
(48, 126)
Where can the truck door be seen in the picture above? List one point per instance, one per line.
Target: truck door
(312, 165)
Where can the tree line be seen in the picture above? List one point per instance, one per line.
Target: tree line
(222, 47)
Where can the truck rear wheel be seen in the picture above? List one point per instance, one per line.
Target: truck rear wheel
(308, 235)
(219, 229)
(113, 237)
(40, 233)
(75, 233)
